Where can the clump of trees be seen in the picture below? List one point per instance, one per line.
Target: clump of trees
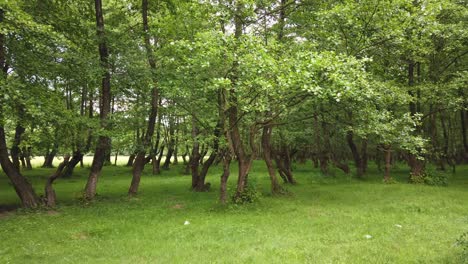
(217, 82)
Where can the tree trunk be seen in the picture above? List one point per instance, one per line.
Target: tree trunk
(266, 146)
(130, 161)
(342, 166)
(23, 188)
(49, 157)
(15, 150)
(201, 185)
(26, 154)
(463, 117)
(388, 163)
(103, 145)
(157, 162)
(224, 177)
(195, 155)
(364, 157)
(416, 165)
(140, 158)
(354, 151)
(244, 160)
(50, 197)
(70, 166)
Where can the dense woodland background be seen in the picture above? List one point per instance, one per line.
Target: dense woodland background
(225, 83)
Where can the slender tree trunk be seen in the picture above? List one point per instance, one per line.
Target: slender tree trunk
(130, 161)
(15, 149)
(354, 151)
(140, 158)
(195, 155)
(416, 165)
(388, 163)
(225, 176)
(364, 156)
(266, 146)
(157, 161)
(103, 145)
(70, 166)
(463, 118)
(49, 157)
(50, 196)
(201, 185)
(244, 160)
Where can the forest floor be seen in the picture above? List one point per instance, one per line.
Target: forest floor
(324, 219)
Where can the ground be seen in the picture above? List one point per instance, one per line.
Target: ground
(325, 219)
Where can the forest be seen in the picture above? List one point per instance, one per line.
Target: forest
(275, 130)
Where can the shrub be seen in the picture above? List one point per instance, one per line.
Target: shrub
(431, 177)
(249, 195)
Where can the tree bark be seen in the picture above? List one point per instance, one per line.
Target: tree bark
(266, 147)
(23, 188)
(201, 185)
(388, 162)
(195, 155)
(70, 166)
(140, 158)
(49, 157)
(15, 149)
(224, 177)
(244, 160)
(356, 157)
(416, 165)
(130, 161)
(103, 145)
(50, 196)
(463, 117)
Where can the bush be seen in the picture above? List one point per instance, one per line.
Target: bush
(435, 177)
(431, 177)
(249, 195)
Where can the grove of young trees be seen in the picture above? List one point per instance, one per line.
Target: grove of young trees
(223, 83)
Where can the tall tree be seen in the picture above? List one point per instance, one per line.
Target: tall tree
(103, 145)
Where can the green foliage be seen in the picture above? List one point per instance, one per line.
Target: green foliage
(431, 176)
(435, 177)
(249, 195)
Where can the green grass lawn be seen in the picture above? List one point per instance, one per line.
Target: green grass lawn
(324, 220)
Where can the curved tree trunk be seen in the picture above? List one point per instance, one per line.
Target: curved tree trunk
(103, 145)
(356, 157)
(200, 184)
(266, 146)
(50, 196)
(23, 188)
(70, 166)
(140, 157)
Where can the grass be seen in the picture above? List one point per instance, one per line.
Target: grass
(324, 220)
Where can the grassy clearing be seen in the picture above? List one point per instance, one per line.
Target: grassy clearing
(325, 220)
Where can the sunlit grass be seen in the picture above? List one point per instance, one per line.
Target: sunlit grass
(324, 220)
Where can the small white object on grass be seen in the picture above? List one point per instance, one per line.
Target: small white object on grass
(399, 226)
(368, 236)
(186, 222)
